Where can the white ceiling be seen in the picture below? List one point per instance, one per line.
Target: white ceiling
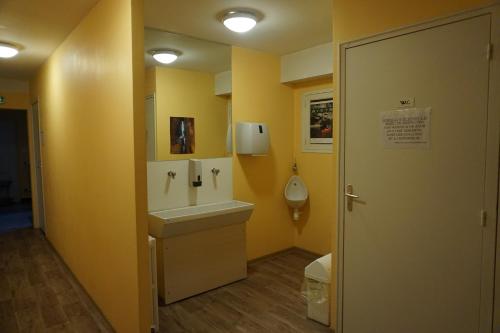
(287, 25)
(197, 54)
(39, 27)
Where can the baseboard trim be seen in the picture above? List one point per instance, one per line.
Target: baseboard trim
(287, 250)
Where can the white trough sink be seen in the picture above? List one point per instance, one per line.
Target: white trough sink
(178, 221)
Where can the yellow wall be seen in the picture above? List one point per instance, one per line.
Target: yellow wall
(354, 19)
(16, 100)
(358, 18)
(258, 96)
(185, 93)
(312, 231)
(91, 104)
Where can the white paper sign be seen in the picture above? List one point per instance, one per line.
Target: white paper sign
(406, 128)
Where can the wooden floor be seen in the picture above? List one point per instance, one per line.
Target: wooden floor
(38, 293)
(269, 300)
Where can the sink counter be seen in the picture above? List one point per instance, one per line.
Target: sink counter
(178, 221)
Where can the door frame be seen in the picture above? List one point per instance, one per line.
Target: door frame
(491, 197)
(37, 188)
(153, 97)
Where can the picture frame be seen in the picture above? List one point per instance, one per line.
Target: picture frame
(182, 139)
(317, 121)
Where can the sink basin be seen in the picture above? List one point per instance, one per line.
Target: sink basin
(178, 221)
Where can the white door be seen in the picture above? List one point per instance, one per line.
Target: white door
(150, 127)
(413, 241)
(37, 147)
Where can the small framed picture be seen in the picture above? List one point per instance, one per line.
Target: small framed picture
(182, 135)
(317, 121)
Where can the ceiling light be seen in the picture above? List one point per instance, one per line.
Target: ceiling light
(165, 56)
(8, 50)
(239, 21)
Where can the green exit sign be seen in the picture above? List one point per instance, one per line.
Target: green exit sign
(2, 99)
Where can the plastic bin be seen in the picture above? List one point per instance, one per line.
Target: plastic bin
(317, 289)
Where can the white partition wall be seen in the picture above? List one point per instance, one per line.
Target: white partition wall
(311, 63)
(166, 192)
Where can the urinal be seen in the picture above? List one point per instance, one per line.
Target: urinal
(296, 195)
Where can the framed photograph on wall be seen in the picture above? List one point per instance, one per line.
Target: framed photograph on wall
(182, 135)
(317, 121)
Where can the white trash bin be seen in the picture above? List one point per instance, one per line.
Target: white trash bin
(317, 289)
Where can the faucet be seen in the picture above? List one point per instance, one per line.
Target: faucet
(171, 174)
(215, 171)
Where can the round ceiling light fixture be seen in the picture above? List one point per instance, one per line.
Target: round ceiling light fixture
(165, 56)
(240, 21)
(8, 50)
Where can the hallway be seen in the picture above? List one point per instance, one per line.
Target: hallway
(15, 178)
(38, 293)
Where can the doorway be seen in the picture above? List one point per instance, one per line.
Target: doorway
(39, 204)
(418, 217)
(15, 183)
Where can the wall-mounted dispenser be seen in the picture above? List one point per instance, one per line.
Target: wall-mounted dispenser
(195, 173)
(252, 139)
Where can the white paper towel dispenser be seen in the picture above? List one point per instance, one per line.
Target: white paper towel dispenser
(252, 138)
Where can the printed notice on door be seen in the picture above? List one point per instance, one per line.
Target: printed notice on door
(406, 128)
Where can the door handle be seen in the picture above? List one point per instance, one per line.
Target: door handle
(350, 196)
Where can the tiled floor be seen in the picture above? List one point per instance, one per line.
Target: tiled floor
(38, 293)
(269, 300)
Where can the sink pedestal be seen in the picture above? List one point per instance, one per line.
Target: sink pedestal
(200, 247)
(193, 263)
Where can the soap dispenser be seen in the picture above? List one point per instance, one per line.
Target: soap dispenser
(195, 173)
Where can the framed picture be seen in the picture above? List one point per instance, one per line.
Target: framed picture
(182, 135)
(317, 121)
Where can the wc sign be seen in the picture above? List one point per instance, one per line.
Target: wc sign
(406, 102)
(2, 100)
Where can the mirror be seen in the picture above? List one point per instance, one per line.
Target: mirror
(188, 102)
